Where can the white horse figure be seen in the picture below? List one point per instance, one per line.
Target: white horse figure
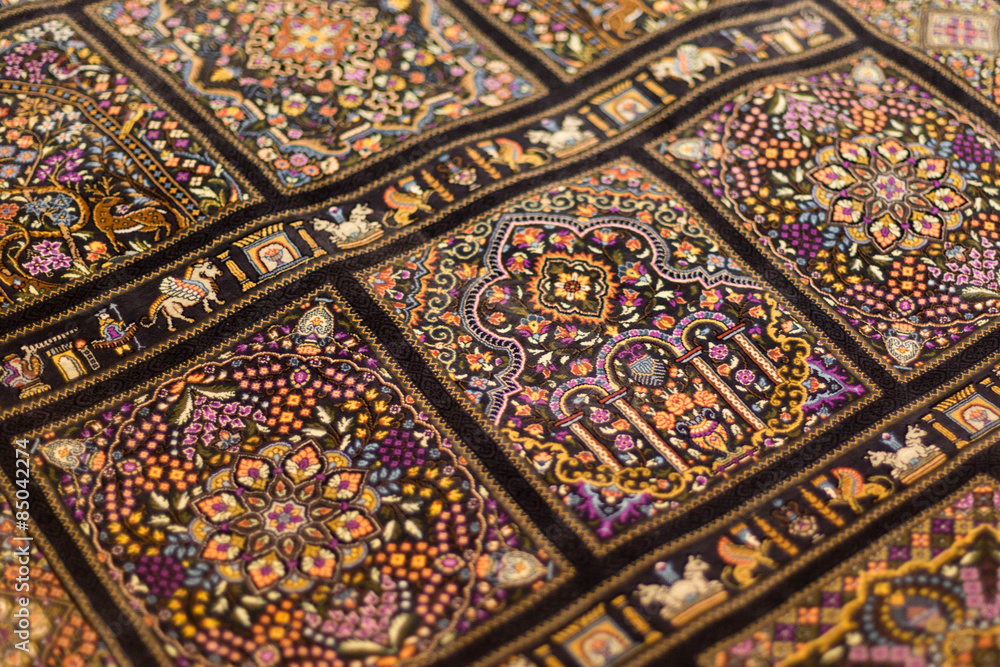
(906, 458)
(689, 62)
(681, 594)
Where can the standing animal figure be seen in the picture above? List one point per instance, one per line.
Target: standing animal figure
(674, 598)
(406, 204)
(744, 559)
(145, 219)
(689, 62)
(510, 153)
(852, 486)
(197, 285)
(908, 457)
(620, 20)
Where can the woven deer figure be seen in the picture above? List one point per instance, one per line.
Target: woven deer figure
(146, 219)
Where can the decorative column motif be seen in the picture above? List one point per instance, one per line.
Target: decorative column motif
(637, 421)
(705, 369)
(588, 439)
(752, 351)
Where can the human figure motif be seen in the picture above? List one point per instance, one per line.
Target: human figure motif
(115, 334)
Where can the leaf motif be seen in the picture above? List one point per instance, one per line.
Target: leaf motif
(400, 627)
(203, 192)
(360, 647)
(187, 407)
(159, 502)
(780, 105)
(323, 414)
(390, 529)
(212, 393)
(252, 601)
(241, 616)
(413, 529)
(980, 293)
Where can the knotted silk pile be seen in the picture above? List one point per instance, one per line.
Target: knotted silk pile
(533, 333)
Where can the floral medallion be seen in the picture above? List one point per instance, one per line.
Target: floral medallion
(615, 345)
(873, 192)
(311, 89)
(90, 165)
(290, 499)
(888, 194)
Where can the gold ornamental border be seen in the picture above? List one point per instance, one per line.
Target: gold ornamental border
(11, 11)
(672, 550)
(529, 473)
(151, 637)
(814, 297)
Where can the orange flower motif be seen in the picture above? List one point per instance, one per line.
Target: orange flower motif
(704, 398)
(605, 236)
(664, 421)
(304, 463)
(478, 360)
(352, 526)
(808, 615)
(679, 403)
(581, 367)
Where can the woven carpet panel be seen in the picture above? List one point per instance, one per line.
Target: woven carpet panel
(499, 333)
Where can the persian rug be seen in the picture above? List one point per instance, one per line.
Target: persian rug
(522, 333)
